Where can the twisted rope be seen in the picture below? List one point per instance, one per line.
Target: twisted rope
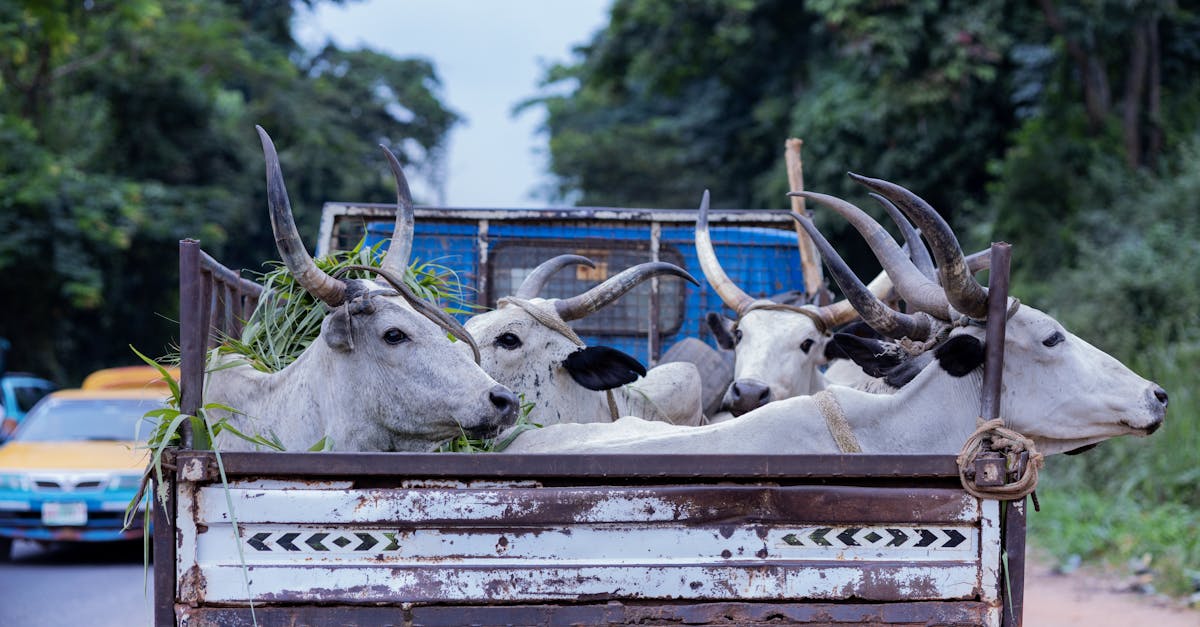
(992, 435)
(548, 317)
(821, 324)
(835, 420)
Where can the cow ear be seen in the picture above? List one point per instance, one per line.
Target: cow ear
(722, 329)
(960, 355)
(873, 356)
(908, 369)
(833, 351)
(602, 368)
(338, 332)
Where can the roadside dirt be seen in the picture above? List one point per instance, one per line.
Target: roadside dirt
(1086, 598)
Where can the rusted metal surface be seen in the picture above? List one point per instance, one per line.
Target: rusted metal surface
(654, 313)
(749, 614)
(734, 551)
(993, 369)
(164, 548)
(1013, 586)
(600, 467)
(336, 214)
(705, 541)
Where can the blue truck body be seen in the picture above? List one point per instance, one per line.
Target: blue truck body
(491, 250)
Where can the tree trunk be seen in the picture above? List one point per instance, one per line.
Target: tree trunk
(1154, 132)
(1135, 89)
(1097, 97)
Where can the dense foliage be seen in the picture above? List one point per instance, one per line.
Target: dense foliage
(125, 126)
(1071, 130)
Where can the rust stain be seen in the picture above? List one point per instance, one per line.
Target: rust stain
(192, 586)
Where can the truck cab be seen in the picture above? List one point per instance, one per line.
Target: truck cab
(493, 250)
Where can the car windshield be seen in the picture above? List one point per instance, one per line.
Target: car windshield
(58, 419)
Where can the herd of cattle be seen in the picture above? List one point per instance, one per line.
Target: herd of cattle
(390, 372)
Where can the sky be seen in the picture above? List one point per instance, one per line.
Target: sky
(490, 56)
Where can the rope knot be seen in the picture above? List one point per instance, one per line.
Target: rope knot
(992, 436)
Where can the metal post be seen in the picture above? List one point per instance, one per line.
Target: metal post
(1013, 586)
(993, 367)
(193, 335)
(654, 343)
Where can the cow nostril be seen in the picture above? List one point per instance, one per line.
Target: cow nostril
(503, 399)
(764, 396)
(1161, 395)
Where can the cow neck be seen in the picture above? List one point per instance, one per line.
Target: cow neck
(550, 319)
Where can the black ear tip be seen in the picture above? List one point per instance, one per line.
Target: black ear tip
(960, 355)
(603, 368)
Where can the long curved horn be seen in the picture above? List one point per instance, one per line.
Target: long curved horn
(730, 294)
(962, 290)
(919, 291)
(579, 306)
(287, 239)
(843, 311)
(533, 284)
(396, 258)
(874, 312)
(916, 248)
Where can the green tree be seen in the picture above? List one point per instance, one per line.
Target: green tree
(127, 126)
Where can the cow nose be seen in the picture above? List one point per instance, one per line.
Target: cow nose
(748, 394)
(1161, 395)
(505, 403)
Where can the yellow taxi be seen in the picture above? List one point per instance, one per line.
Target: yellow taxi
(74, 464)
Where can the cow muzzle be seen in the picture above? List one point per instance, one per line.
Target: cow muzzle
(746, 395)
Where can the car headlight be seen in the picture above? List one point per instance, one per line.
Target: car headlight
(13, 481)
(126, 482)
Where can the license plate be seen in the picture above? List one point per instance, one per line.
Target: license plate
(64, 514)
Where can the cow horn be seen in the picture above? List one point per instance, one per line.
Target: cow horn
(838, 313)
(915, 288)
(730, 294)
(579, 306)
(962, 290)
(287, 239)
(533, 284)
(396, 258)
(912, 236)
(874, 312)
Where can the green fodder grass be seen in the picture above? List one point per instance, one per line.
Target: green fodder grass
(288, 318)
(1134, 497)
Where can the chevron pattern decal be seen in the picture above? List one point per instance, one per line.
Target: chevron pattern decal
(876, 538)
(325, 541)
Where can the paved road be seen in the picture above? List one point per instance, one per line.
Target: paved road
(73, 585)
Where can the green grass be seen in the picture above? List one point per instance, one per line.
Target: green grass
(288, 318)
(1134, 497)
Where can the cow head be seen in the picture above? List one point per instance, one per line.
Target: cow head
(1058, 389)
(526, 344)
(778, 349)
(381, 348)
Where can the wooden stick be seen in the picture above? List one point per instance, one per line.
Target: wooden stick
(810, 262)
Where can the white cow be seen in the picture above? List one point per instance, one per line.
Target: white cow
(1058, 390)
(381, 376)
(526, 344)
(780, 350)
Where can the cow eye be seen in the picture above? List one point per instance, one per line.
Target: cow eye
(394, 336)
(806, 345)
(1055, 338)
(737, 335)
(508, 341)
